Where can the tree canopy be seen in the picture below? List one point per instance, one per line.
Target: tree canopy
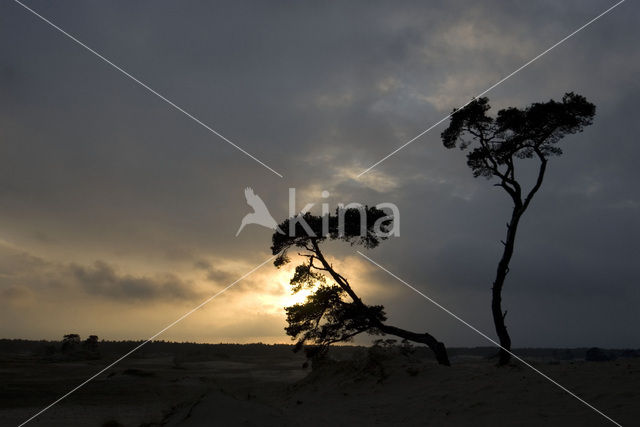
(532, 132)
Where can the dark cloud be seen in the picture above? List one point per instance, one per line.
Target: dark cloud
(23, 274)
(15, 293)
(102, 279)
(215, 275)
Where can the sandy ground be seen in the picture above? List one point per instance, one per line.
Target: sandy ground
(392, 390)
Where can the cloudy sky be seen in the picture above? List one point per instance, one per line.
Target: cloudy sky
(119, 213)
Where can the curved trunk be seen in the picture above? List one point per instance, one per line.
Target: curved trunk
(519, 208)
(436, 346)
(496, 300)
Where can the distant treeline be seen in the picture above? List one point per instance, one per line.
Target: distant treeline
(37, 348)
(195, 351)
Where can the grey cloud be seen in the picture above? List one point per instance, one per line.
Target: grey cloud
(218, 276)
(102, 279)
(23, 275)
(15, 293)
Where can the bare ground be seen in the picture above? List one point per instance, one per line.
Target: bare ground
(264, 390)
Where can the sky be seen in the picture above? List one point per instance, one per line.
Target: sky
(118, 213)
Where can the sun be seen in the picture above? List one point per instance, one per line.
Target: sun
(288, 298)
(276, 301)
(297, 298)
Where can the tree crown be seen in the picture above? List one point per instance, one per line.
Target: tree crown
(355, 226)
(515, 133)
(327, 316)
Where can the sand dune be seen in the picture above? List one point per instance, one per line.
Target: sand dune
(471, 394)
(269, 388)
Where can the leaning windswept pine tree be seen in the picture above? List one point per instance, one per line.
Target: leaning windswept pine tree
(334, 312)
(497, 145)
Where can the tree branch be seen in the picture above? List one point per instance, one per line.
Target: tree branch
(536, 187)
(341, 281)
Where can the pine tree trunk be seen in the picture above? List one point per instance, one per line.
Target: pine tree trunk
(501, 274)
(436, 346)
